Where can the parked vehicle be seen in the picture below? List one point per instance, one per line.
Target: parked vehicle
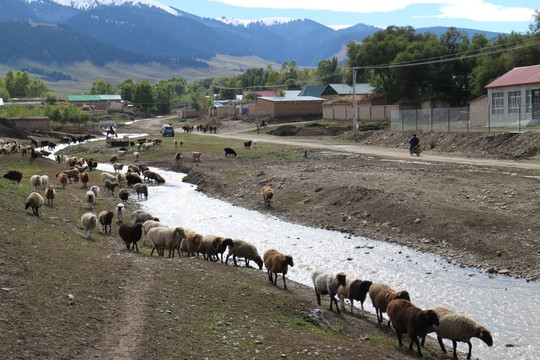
(167, 130)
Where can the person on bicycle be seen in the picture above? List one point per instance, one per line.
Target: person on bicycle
(413, 142)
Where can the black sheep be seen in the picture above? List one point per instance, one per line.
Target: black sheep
(229, 152)
(13, 175)
(132, 178)
(131, 233)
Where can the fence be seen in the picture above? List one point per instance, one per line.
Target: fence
(456, 119)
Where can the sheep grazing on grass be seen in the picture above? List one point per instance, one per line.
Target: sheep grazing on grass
(72, 174)
(196, 156)
(178, 157)
(90, 198)
(141, 190)
(381, 294)
(407, 318)
(140, 216)
(35, 201)
(105, 218)
(110, 185)
(63, 178)
(191, 243)
(267, 194)
(457, 327)
(113, 159)
(44, 181)
(133, 178)
(131, 233)
(175, 143)
(13, 175)
(229, 152)
(243, 249)
(327, 283)
(84, 178)
(120, 211)
(277, 263)
(136, 155)
(247, 144)
(165, 238)
(108, 176)
(35, 180)
(50, 194)
(123, 194)
(354, 289)
(89, 222)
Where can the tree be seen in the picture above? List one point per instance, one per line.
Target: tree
(142, 94)
(179, 86)
(535, 26)
(20, 86)
(199, 101)
(327, 72)
(163, 95)
(4, 94)
(10, 83)
(102, 87)
(37, 88)
(228, 87)
(126, 89)
(273, 78)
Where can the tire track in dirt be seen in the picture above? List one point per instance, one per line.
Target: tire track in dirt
(123, 329)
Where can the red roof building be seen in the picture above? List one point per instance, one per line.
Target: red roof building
(514, 98)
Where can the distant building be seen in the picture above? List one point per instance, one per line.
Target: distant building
(275, 107)
(515, 97)
(332, 91)
(99, 102)
(265, 93)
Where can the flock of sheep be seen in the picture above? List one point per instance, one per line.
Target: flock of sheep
(403, 315)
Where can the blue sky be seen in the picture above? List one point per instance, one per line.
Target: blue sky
(491, 15)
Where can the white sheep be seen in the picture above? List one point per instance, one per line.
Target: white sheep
(165, 238)
(35, 201)
(137, 155)
(327, 283)
(458, 327)
(95, 190)
(246, 250)
(44, 181)
(89, 222)
(120, 211)
(354, 289)
(35, 180)
(150, 224)
(108, 176)
(381, 294)
(90, 198)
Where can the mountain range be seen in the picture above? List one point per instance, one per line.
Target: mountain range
(144, 31)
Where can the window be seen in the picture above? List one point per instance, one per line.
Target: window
(514, 101)
(528, 101)
(497, 103)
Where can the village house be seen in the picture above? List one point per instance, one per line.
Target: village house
(275, 107)
(515, 97)
(109, 103)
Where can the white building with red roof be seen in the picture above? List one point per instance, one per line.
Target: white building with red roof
(515, 97)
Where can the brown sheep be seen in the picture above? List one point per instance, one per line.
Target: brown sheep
(267, 194)
(407, 318)
(381, 294)
(141, 190)
(209, 245)
(63, 178)
(123, 194)
(118, 167)
(35, 201)
(196, 156)
(50, 194)
(191, 243)
(222, 246)
(105, 218)
(178, 157)
(113, 159)
(277, 263)
(84, 179)
(110, 185)
(354, 289)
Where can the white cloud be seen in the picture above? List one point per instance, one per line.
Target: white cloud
(476, 10)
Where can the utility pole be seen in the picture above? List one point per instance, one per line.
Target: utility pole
(355, 116)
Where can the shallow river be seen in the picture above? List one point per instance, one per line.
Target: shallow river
(508, 307)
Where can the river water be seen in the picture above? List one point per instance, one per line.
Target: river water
(508, 307)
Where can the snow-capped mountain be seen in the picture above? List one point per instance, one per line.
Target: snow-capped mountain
(91, 4)
(154, 30)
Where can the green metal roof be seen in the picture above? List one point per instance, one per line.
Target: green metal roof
(94, 97)
(316, 91)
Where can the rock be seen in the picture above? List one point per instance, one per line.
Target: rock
(417, 221)
(504, 272)
(490, 269)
